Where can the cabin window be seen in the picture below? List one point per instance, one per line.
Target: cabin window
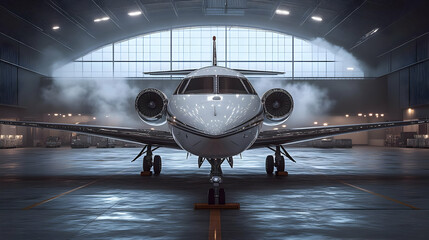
(181, 86)
(199, 85)
(231, 85)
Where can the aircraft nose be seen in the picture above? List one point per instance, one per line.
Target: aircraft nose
(216, 115)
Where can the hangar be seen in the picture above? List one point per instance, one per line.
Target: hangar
(346, 64)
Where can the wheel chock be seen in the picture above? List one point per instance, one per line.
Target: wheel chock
(146, 173)
(216, 206)
(282, 173)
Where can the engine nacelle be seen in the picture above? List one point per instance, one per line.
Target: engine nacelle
(151, 105)
(278, 105)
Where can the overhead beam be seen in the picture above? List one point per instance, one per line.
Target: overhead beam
(173, 4)
(310, 12)
(68, 16)
(37, 28)
(344, 19)
(22, 43)
(104, 10)
(143, 9)
(275, 9)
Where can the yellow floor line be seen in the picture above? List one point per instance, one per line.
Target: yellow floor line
(70, 191)
(59, 195)
(380, 195)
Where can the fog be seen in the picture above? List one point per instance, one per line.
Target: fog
(110, 101)
(310, 102)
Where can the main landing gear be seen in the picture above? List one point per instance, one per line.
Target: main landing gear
(216, 194)
(148, 162)
(277, 161)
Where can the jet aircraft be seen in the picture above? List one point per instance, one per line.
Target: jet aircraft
(215, 114)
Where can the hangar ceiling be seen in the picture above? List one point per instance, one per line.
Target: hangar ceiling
(346, 23)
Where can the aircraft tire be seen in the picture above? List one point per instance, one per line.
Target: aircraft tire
(157, 164)
(222, 196)
(147, 163)
(211, 196)
(269, 164)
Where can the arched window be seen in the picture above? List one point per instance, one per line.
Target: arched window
(237, 47)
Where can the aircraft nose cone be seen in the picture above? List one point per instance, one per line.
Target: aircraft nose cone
(215, 117)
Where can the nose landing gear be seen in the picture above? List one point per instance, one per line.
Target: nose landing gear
(216, 197)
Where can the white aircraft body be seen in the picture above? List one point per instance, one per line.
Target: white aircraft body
(215, 114)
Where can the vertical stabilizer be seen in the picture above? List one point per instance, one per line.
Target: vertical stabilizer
(214, 51)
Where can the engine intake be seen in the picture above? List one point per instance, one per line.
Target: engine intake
(278, 105)
(151, 105)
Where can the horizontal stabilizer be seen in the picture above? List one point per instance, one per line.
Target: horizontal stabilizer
(187, 71)
(257, 72)
(172, 72)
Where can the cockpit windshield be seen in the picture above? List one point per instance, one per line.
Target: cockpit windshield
(199, 85)
(231, 85)
(206, 85)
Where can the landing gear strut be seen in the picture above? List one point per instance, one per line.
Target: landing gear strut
(148, 163)
(277, 161)
(216, 194)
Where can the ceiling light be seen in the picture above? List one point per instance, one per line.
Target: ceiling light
(350, 69)
(325, 124)
(101, 19)
(284, 125)
(382, 115)
(55, 27)
(275, 129)
(282, 12)
(360, 114)
(315, 123)
(347, 115)
(317, 18)
(135, 13)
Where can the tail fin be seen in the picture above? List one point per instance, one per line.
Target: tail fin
(214, 51)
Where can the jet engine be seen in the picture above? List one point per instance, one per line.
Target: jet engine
(151, 105)
(278, 105)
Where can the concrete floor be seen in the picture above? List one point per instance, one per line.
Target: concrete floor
(359, 193)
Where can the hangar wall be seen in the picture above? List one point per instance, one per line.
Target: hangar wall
(20, 74)
(406, 70)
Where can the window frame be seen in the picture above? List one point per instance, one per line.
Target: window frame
(201, 76)
(230, 76)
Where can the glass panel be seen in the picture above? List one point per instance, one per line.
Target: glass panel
(248, 86)
(200, 85)
(237, 47)
(181, 86)
(231, 85)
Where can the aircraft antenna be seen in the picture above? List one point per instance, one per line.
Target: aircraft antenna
(214, 51)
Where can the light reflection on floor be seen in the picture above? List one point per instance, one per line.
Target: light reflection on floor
(310, 203)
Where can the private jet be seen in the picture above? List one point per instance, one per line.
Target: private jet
(215, 114)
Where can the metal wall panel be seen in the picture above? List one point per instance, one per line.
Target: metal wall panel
(419, 84)
(403, 56)
(8, 84)
(404, 88)
(394, 109)
(422, 48)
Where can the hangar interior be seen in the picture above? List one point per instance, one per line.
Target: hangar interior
(343, 61)
(360, 63)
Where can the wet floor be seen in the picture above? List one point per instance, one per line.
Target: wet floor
(359, 193)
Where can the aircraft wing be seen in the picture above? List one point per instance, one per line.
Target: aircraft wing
(295, 135)
(144, 136)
